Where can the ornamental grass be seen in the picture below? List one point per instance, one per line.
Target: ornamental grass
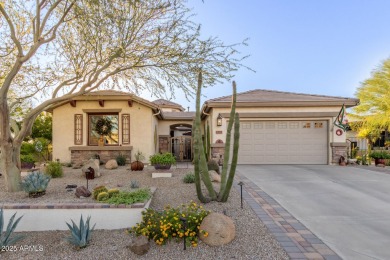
(162, 226)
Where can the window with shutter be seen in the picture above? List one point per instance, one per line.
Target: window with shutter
(78, 129)
(125, 128)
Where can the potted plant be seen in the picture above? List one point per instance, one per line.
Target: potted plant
(138, 165)
(380, 157)
(27, 161)
(162, 161)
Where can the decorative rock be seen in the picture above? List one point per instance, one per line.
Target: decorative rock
(111, 164)
(220, 229)
(82, 192)
(140, 245)
(91, 163)
(214, 176)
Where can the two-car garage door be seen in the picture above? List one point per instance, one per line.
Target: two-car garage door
(283, 142)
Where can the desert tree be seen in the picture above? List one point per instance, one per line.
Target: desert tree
(373, 112)
(55, 50)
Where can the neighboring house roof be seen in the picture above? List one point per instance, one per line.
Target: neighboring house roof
(163, 103)
(178, 115)
(261, 98)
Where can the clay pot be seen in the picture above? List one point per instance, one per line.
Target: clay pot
(137, 166)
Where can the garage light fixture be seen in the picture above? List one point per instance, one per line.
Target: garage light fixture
(219, 120)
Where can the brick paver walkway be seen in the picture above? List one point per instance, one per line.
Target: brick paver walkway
(293, 236)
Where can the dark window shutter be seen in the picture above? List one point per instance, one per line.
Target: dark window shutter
(78, 129)
(125, 128)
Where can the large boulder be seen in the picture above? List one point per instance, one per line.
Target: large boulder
(94, 164)
(111, 164)
(82, 192)
(220, 229)
(214, 176)
(140, 245)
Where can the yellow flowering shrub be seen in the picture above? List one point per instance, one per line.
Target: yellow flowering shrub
(163, 226)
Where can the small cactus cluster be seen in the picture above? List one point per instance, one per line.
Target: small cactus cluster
(35, 183)
(98, 190)
(101, 193)
(102, 196)
(112, 192)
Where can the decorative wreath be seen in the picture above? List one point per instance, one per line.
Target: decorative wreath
(103, 126)
(339, 132)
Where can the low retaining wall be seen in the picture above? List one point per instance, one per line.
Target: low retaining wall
(47, 217)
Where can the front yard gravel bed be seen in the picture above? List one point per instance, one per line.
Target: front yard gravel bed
(253, 241)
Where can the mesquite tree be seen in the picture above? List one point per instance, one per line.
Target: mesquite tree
(53, 51)
(229, 164)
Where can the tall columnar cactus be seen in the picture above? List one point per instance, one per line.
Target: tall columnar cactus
(227, 179)
(206, 144)
(200, 163)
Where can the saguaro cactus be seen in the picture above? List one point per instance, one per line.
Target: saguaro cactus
(200, 163)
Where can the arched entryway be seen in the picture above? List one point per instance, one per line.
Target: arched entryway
(180, 142)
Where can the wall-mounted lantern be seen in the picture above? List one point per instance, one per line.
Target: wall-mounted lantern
(219, 120)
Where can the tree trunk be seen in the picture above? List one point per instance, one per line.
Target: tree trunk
(9, 167)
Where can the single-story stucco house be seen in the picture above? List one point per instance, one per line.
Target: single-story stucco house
(276, 127)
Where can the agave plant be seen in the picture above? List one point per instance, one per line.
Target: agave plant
(5, 237)
(80, 236)
(35, 183)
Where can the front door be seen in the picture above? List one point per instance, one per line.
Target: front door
(181, 147)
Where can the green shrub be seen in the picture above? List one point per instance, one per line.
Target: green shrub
(28, 158)
(380, 154)
(121, 160)
(54, 169)
(35, 183)
(113, 192)
(162, 159)
(134, 184)
(103, 196)
(213, 166)
(97, 190)
(5, 237)
(189, 178)
(126, 197)
(80, 236)
(166, 225)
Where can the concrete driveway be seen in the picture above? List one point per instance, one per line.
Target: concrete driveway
(347, 208)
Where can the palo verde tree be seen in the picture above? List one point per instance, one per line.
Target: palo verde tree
(373, 111)
(200, 158)
(53, 51)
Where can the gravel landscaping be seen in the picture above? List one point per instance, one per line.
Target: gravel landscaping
(252, 238)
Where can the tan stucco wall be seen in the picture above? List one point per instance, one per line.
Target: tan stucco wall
(142, 124)
(164, 126)
(332, 137)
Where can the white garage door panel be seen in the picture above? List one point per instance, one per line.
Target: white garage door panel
(283, 142)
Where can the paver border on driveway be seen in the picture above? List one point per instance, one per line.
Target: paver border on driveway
(298, 241)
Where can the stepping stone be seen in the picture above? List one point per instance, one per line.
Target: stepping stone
(161, 175)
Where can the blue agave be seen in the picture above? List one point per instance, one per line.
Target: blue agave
(5, 237)
(80, 236)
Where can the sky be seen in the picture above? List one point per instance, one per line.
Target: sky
(325, 47)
